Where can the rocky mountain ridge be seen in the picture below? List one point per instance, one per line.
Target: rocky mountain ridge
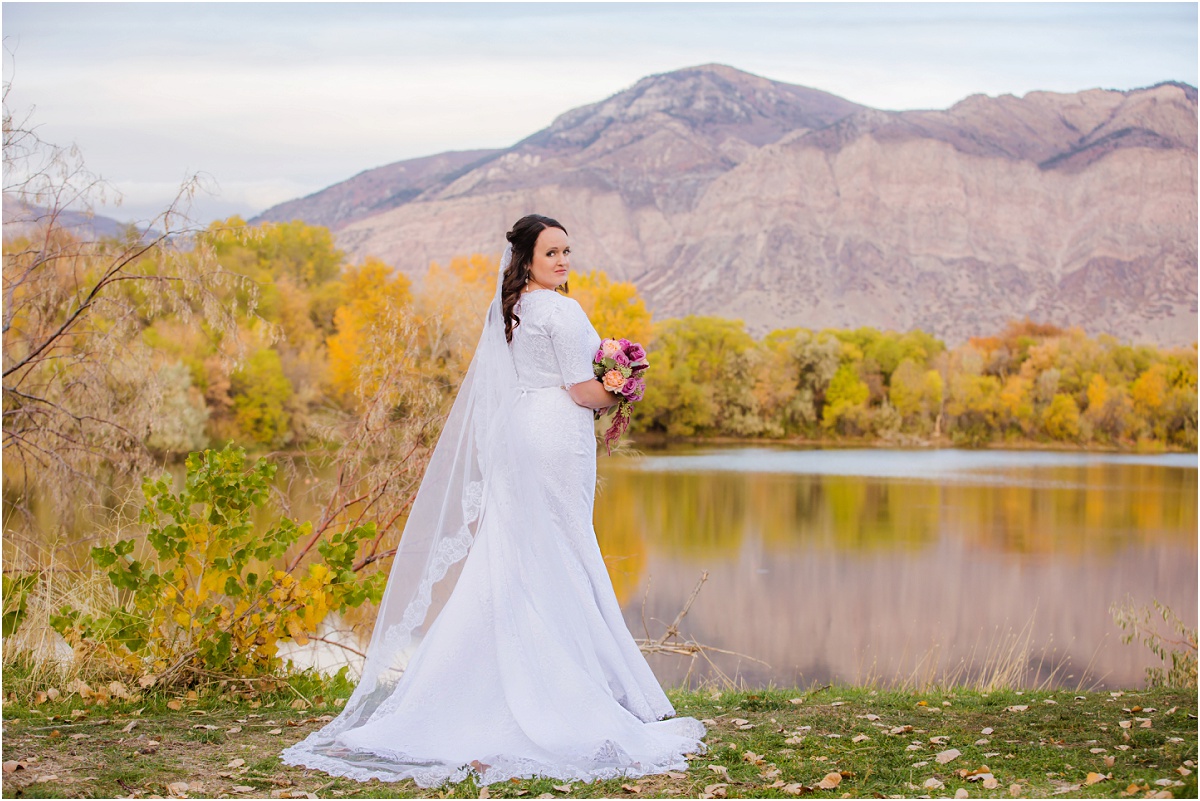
(720, 192)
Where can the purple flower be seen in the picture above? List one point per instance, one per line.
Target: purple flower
(599, 357)
(635, 352)
(634, 388)
(625, 343)
(621, 359)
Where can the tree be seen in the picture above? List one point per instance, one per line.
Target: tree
(614, 307)
(1062, 418)
(374, 296)
(78, 399)
(845, 399)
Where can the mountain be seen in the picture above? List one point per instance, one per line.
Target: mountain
(22, 219)
(374, 191)
(720, 192)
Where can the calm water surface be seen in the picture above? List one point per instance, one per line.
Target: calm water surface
(896, 565)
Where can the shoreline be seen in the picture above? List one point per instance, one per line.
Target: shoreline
(655, 440)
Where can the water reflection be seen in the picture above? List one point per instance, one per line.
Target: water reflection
(852, 564)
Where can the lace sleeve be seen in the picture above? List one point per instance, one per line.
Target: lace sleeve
(575, 341)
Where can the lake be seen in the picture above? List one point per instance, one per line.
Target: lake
(860, 565)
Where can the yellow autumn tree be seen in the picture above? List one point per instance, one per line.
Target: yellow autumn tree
(374, 295)
(451, 306)
(614, 307)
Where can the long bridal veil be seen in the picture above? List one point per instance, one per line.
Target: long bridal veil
(472, 461)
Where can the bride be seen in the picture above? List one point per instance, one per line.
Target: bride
(499, 647)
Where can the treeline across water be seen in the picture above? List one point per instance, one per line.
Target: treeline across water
(1029, 383)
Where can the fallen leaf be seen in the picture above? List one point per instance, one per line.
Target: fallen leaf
(1109, 761)
(129, 727)
(233, 730)
(830, 781)
(175, 704)
(946, 756)
(858, 738)
(933, 784)
(990, 783)
(177, 788)
(1125, 724)
(869, 716)
(837, 703)
(235, 763)
(939, 740)
(961, 792)
(1182, 771)
(1014, 790)
(720, 770)
(1094, 778)
(12, 766)
(922, 703)
(800, 701)
(795, 788)
(275, 731)
(631, 788)
(119, 690)
(205, 726)
(1017, 708)
(674, 774)
(241, 788)
(192, 695)
(715, 791)
(562, 788)
(987, 730)
(753, 758)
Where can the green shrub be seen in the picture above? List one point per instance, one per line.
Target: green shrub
(207, 600)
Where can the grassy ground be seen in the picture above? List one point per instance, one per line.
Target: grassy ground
(766, 744)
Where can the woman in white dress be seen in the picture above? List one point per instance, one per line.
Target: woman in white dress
(514, 661)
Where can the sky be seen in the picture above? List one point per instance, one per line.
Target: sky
(272, 101)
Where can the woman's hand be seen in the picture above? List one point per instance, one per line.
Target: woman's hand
(593, 395)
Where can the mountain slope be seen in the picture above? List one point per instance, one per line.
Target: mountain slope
(725, 193)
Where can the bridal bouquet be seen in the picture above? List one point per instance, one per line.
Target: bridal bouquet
(618, 365)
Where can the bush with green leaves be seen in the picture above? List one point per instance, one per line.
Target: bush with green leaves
(205, 598)
(1176, 647)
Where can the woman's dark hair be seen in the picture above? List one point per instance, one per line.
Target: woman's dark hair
(522, 237)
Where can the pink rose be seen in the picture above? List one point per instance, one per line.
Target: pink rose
(614, 381)
(625, 343)
(634, 389)
(621, 359)
(635, 352)
(609, 348)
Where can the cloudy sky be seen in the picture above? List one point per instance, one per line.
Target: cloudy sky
(276, 100)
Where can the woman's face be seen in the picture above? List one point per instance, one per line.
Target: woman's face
(551, 259)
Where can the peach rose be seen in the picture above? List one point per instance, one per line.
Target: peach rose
(610, 348)
(614, 381)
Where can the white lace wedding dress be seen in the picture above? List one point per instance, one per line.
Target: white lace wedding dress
(529, 669)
